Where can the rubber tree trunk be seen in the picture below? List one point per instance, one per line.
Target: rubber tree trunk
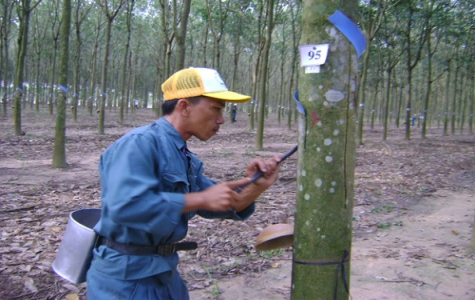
(110, 16)
(24, 14)
(447, 99)
(59, 149)
(80, 15)
(92, 90)
(472, 244)
(7, 12)
(326, 162)
(295, 37)
(51, 96)
(181, 34)
(259, 145)
(428, 94)
(104, 78)
(260, 45)
(130, 8)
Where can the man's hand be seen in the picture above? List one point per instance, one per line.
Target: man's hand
(269, 168)
(223, 197)
(219, 197)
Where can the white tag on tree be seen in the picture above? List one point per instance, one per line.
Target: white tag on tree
(312, 69)
(313, 55)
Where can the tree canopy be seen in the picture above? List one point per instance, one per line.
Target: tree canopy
(419, 58)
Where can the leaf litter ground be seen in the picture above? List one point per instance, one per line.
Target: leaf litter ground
(413, 210)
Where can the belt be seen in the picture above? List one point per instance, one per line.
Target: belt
(162, 250)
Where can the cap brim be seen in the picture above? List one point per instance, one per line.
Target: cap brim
(228, 96)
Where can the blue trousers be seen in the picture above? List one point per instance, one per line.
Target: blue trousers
(100, 287)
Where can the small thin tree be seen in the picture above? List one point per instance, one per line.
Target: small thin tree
(472, 244)
(263, 75)
(59, 150)
(110, 15)
(125, 63)
(5, 32)
(24, 12)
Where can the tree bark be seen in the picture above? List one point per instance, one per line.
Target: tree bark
(123, 85)
(110, 15)
(24, 15)
(59, 149)
(472, 243)
(181, 35)
(326, 162)
(7, 12)
(263, 76)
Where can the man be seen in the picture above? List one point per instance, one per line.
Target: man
(233, 113)
(152, 185)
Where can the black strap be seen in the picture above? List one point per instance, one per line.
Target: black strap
(340, 269)
(163, 250)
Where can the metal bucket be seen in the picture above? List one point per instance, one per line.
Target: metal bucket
(75, 252)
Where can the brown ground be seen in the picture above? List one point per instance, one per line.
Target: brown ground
(414, 206)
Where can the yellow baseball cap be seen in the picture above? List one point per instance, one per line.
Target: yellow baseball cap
(193, 82)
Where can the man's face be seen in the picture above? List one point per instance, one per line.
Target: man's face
(205, 117)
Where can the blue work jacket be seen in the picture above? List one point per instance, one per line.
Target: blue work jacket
(144, 176)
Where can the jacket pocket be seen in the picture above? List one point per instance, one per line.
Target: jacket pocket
(175, 183)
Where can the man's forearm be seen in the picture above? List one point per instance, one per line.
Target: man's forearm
(249, 195)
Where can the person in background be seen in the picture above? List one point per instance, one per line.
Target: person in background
(151, 185)
(413, 120)
(233, 113)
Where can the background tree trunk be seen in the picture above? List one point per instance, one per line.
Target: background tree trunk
(263, 75)
(59, 149)
(123, 85)
(80, 15)
(5, 28)
(181, 35)
(24, 15)
(110, 16)
(472, 243)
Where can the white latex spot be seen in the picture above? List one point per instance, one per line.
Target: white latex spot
(318, 183)
(334, 96)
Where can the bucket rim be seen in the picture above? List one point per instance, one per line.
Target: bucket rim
(83, 209)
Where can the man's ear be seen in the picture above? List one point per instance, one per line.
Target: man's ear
(183, 106)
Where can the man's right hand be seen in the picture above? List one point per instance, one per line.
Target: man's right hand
(219, 197)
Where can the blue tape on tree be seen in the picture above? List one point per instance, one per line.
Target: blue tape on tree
(350, 30)
(63, 88)
(300, 106)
